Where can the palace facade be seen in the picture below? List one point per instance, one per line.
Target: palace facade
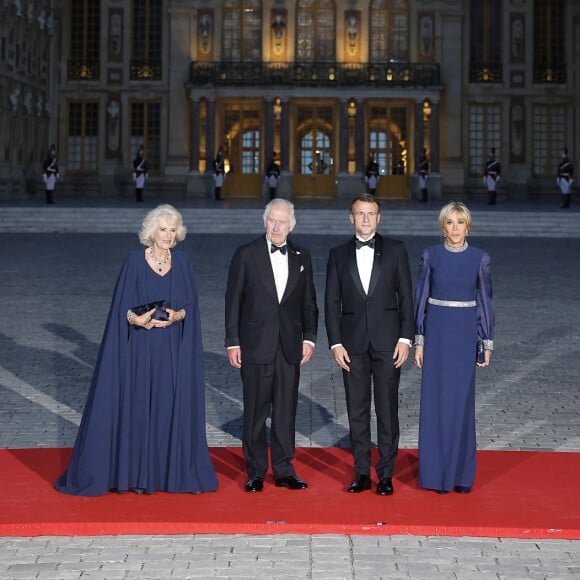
(322, 85)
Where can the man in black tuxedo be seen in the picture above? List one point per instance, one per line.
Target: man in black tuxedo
(369, 322)
(271, 326)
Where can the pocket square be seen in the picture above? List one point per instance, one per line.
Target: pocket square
(301, 268)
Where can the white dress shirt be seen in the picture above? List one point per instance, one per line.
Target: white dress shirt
(365, 257)
(279, 263)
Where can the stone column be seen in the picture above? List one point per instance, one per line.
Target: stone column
(210, 135)
(343, 139)
(268, 131)
(359, 138)
(285, 137)
(194, 135)
(285, 183)
(419, 131)
(435, 137)
(435, 178)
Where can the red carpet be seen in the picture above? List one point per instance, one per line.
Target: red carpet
(516, 494)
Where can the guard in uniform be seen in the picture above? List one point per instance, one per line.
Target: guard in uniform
(140, 173)
(423, 172)
(273, 176)
(219, 173)
(50, 173)
(565, 179)
(372, 175)
(492, 177)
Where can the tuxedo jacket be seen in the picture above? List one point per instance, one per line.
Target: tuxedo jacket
(255, 320)
(357, 320)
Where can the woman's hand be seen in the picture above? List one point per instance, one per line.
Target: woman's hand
(487, 359)
(173, 316)
(143, 320)
(418, 356)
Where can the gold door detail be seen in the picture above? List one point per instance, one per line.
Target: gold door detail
(314, 149)
(241, 126)
(388, 142)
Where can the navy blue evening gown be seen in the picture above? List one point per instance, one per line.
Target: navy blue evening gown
(447, 442)
(143, 426)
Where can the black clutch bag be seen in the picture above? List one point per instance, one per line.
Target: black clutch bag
(160, 312)
(480, 352)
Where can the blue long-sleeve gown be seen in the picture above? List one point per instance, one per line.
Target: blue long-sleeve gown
(447, 442)
(143, 425)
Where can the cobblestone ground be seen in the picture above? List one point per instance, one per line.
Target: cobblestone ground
(56, 291)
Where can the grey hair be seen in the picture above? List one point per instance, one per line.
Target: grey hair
(457, 206)
(283, 203)
(151, 223)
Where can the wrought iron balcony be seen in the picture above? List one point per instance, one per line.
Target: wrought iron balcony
(309, 74)
(485, 72)
(83, 70)
(145, 70)
(550, 73)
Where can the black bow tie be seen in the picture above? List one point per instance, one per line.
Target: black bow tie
(282, 249)
(359, 243)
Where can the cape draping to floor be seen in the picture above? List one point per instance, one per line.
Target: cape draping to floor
(517, 494)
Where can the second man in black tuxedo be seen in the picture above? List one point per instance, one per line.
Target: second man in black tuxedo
(271, 325)
(369, 322)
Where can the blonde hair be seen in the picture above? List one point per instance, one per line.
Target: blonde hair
(455, 206)
(151, 223)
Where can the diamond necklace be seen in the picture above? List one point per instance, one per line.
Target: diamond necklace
(160, 263)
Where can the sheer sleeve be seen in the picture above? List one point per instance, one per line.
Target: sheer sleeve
(485, 310)
(422, 291)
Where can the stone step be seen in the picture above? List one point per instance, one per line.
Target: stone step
(207, 220)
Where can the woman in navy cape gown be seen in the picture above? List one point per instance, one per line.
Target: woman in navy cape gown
(143, 425)
(453, 307)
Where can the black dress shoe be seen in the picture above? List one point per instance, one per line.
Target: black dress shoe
(291, 482)
(385, 486)
(463, 488)
(361, 483)
(254, 484)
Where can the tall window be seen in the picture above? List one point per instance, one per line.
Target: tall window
(146, 49)
(145, 130)
(314, 139)
(484, 135)
(242, 31)
(387, 139)
(315, 31)
(84, 40)
(549, 138)
(389, 31)
(242, 137)
(549, 41)
(485, 41)
(83, 134)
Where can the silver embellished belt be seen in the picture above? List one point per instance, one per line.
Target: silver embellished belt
(453, 303)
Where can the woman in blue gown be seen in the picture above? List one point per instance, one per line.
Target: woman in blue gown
(143, 425)
(453, 307)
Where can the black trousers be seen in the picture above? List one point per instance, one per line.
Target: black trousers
(373, 374)
(270, 388)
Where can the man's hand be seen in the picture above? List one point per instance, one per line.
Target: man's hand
(307, 352)
(341, 357)
(235, 357)
(401, 353)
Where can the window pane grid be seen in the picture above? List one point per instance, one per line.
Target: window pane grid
(145, 130)
(82, 143)
(549, 138)
(484, 135)
(315, 31)
(242, 31)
